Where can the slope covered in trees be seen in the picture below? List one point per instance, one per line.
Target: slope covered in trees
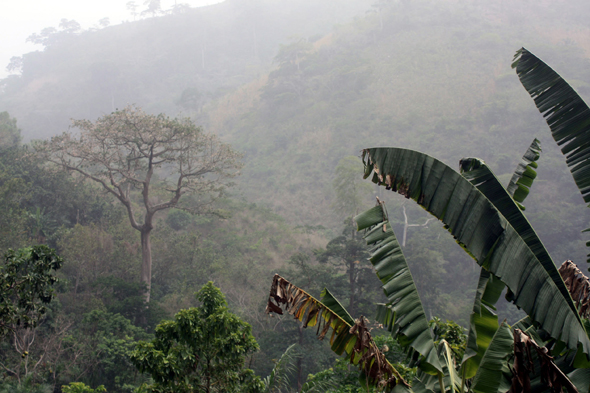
(299, 97)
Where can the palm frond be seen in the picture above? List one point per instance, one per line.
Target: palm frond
(279, 375)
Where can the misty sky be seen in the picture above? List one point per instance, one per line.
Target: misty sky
(19, 19)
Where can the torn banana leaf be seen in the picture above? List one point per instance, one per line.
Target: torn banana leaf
(403, 315)
(525, 173)
(483, 232)
(526, 353)
(353, 340)
(566, 113)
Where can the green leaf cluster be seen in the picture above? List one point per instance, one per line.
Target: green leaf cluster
(203, 348)
(27, 277)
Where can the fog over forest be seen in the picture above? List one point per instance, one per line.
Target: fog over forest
(285, 96)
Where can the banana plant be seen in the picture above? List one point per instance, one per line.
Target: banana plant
(349, 337)
(487, 221)
(487, 236)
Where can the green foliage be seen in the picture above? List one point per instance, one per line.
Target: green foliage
(106, 341)
(178, 219)
(28, 385)
(452, 333)
(204, 347)
(79, 387)
(27, 277)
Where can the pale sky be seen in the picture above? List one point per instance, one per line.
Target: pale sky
(21, 18)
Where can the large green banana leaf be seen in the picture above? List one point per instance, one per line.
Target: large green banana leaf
(480, 175)
(491, 376)
(483, 320)
(354, 340)
(482, 231)
(403, 315)
(566, 113)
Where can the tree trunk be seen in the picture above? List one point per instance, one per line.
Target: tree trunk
(146, 261)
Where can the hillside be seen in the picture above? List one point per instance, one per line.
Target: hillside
(296, 94)
(166, 64)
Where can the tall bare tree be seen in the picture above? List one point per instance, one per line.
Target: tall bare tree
(124, 150)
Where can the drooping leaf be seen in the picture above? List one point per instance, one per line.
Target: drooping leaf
(553, 377)
(483, 322)
(481, 176)
(483, 232)
(562, 358)
(403, 315)
(525, 174)
(493, 373)
(353, 340)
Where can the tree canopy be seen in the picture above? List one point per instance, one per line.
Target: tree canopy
(203, 349)
(129, 149)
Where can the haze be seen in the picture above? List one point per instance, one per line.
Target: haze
(20, 19)
(291, 92)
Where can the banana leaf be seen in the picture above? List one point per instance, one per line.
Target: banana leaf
(524, 175)
(448, 378)
(333, 304)
(480, 175)
(483, 232)
(491, 377)
(566, 113)
(531, 358)
(353, 340)
(578, 285)
(579, 377)
(403, 315)
(483, 322)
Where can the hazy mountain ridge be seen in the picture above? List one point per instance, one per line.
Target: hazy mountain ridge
(152, 62)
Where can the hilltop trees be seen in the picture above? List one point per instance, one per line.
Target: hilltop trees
(129, 149)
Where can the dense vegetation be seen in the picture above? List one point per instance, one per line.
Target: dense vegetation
(299, 98)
